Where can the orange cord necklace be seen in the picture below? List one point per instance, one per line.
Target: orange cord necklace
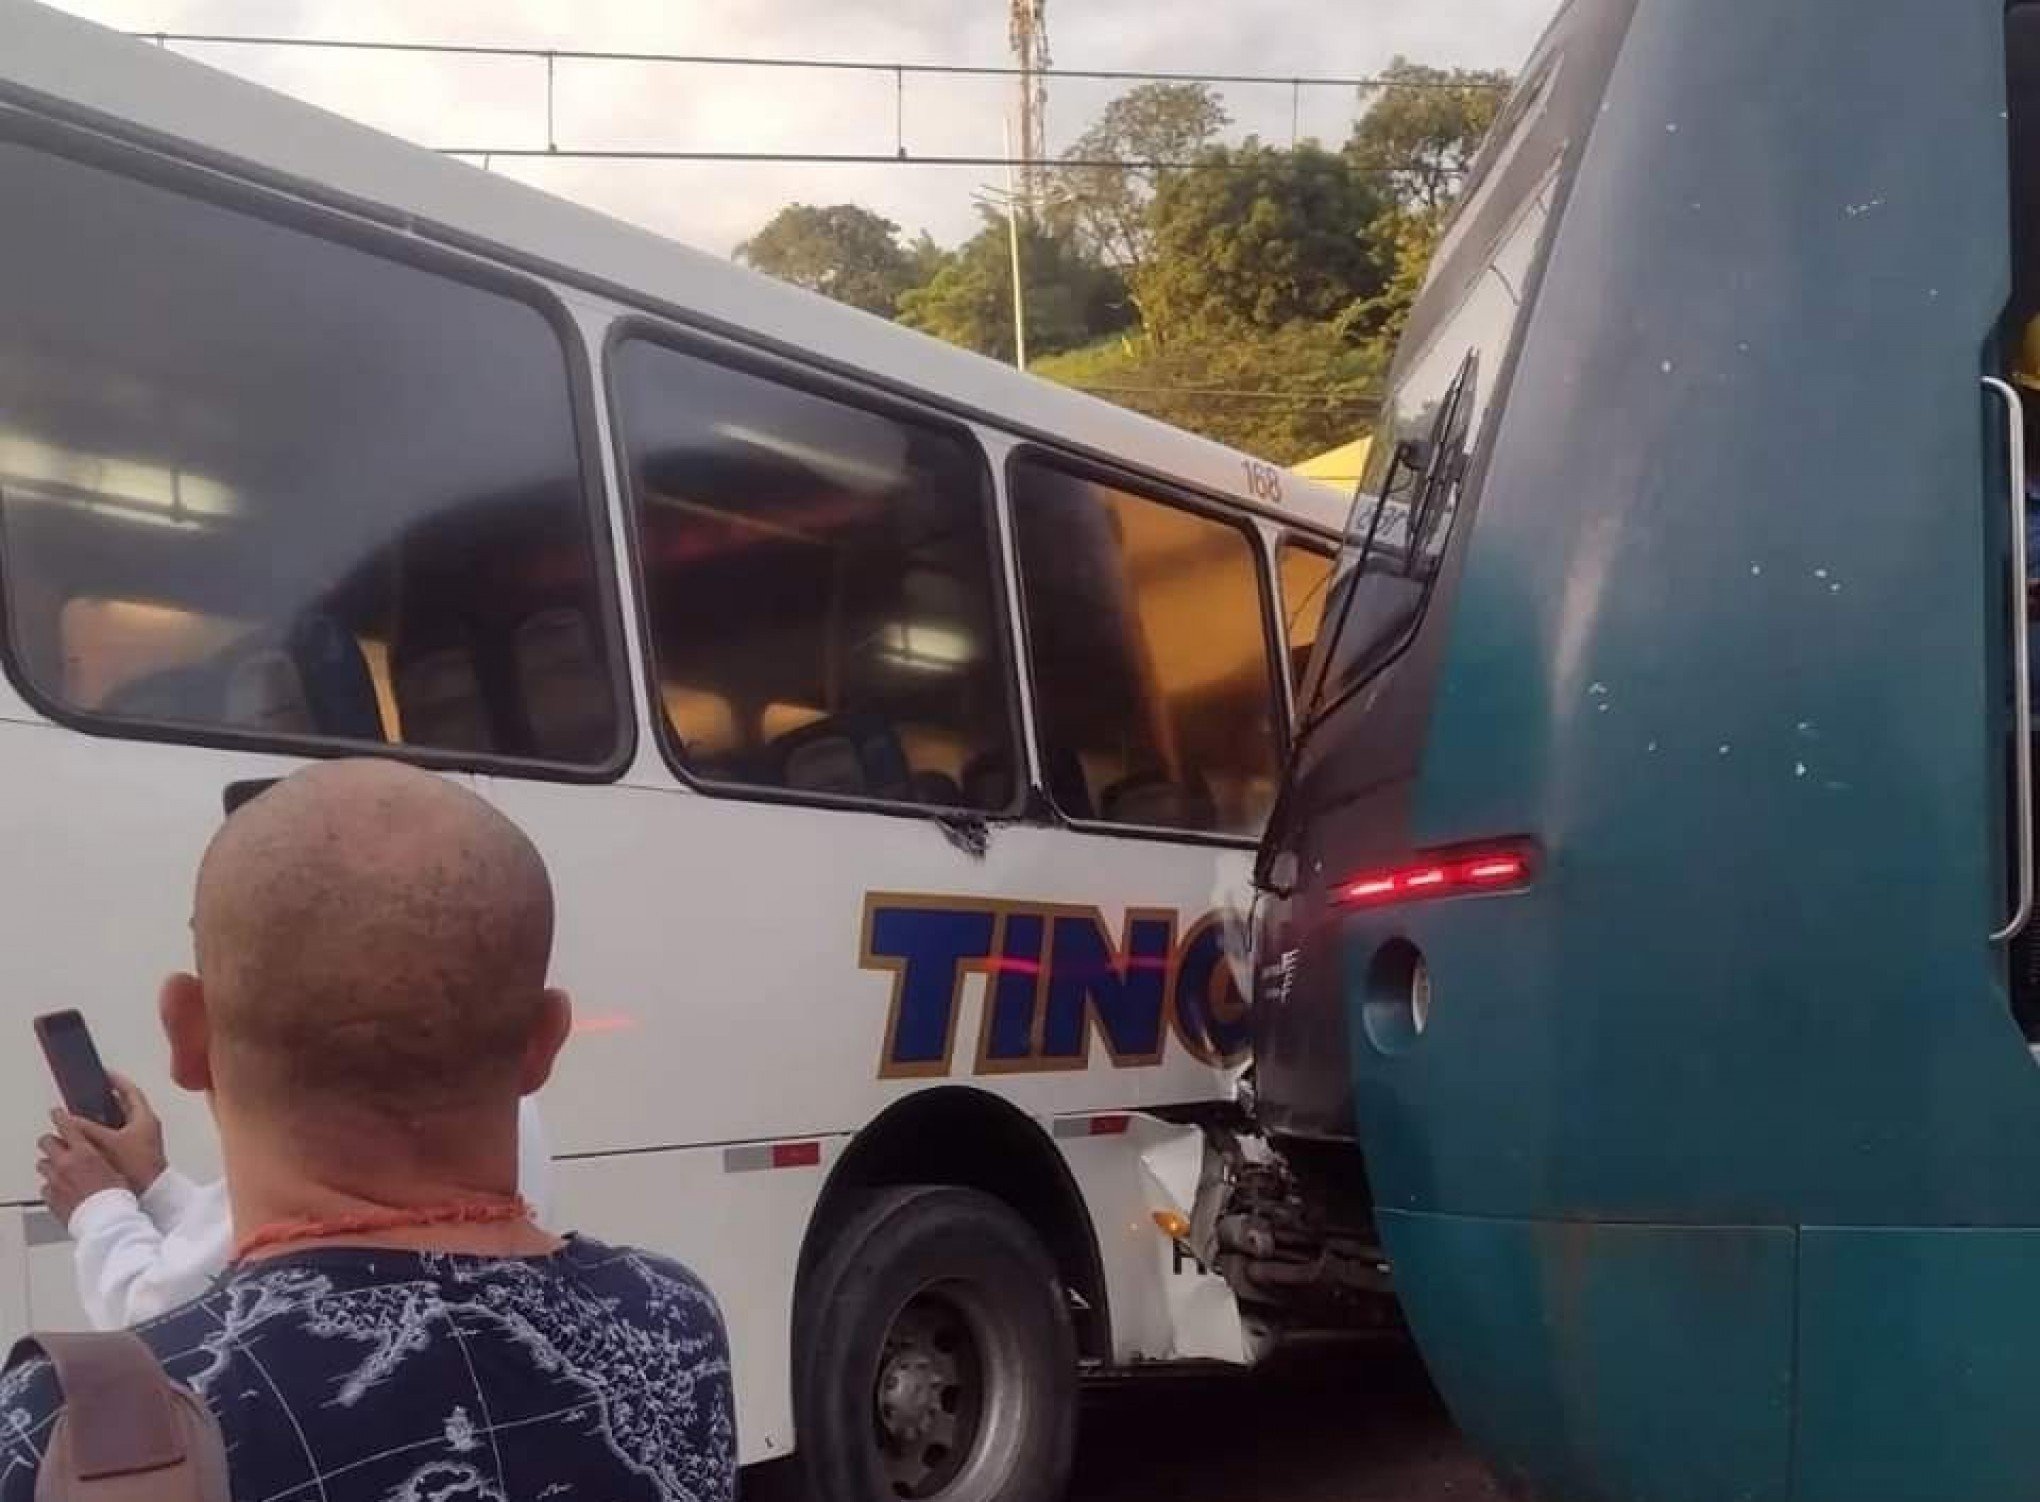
(482, 1212)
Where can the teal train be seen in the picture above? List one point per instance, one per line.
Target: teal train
(1648, 897)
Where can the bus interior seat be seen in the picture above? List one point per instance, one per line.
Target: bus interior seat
(938, 789)
(831, 765)
(313, 681)
(1067, 785)
(194, 694)
(264, 691)
(1154, 798)
(856, 755)
(564, 686)
(338, 686)
(440, 702)
(988, 781)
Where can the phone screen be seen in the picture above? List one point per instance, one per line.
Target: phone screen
(74, 1061)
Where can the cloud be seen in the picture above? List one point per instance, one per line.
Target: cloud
(440, 101)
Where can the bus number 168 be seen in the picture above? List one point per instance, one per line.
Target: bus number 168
(1264, 481)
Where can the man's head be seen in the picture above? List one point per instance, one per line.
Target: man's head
(372, 946)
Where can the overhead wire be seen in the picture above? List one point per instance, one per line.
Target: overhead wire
(1215, 163)
(901, 156)
(726, 60)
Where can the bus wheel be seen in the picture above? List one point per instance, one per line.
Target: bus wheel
(935, 1358)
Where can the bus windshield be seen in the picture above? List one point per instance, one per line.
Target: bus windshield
(1394, 543)
(1409, 499)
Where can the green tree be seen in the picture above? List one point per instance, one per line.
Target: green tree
(842, 251)
(1071, 299)
(1419, 139)
(1284, 394)
(1404, 241)
(1424, 128)
(925, 259)
(1259, 238)
(1106, 206)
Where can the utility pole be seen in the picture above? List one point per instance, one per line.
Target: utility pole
(1028, 33)
(1013, 246)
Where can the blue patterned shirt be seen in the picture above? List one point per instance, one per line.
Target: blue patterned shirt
(596, 1374)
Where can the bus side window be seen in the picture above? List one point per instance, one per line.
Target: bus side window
(1306, 574)
(260, 486)
(1150, 656)
(819, 587)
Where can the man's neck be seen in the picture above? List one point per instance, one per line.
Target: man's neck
(282, 1205)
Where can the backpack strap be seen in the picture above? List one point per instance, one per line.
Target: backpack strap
(126, 1432)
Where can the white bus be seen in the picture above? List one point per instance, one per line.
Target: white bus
(889, 720)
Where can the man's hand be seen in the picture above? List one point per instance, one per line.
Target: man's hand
(72, 1169)
(135, 1150)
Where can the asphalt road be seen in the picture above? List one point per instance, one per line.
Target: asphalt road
(1354, 1425)
(1357, 1424)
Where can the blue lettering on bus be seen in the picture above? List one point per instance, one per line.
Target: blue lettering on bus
(1055, 977)
(929, 949)
(1210, 1013)
(1122, 988)
(1016, 988)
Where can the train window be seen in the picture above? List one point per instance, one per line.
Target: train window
(819, 594)
(258, 484)
(1151, 668)
(1306, 572)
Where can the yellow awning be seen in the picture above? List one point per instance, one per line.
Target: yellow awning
(1342, 467)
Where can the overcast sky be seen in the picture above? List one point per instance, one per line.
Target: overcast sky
(501, 102)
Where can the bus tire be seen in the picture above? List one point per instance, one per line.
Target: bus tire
(935, 1356)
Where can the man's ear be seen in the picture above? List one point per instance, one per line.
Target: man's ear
(182, 1006)
(548, 1036)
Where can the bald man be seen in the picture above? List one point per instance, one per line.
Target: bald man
(370, 1004)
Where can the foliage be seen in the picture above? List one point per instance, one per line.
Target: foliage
(1284, 393)
(1403, 241)
(842, 251)
(1424, 129)
(1106, 207)
(924, 259)
(1261, 237)
(1070, 298)
(1418, 142)
(1256, 297)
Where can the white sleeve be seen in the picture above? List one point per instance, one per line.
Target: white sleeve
(534, 1162)
(170, 1198)
(130, 1270)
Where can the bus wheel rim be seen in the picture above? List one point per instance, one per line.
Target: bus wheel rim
(950, 1404)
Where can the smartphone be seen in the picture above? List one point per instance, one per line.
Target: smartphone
(74, 1061)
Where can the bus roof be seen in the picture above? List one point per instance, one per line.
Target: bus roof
(57, 65)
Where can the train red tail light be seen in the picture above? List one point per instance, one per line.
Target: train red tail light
(1499, 870)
